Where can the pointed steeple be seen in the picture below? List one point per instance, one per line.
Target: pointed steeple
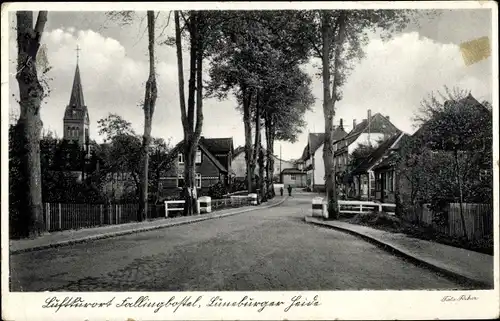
(76, 99)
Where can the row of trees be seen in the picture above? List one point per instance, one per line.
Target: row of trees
(254, 54)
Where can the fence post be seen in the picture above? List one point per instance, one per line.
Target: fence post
(361, 208)
(166, 209)
(380, 208)
(60, 217)
(47, 216)
(101, 215)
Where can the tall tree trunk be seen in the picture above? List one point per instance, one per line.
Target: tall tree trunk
(270, 158)
(247, 121)
(460, 189)
(262, 181)
(149, 107)
(329, 99)
(29, 124)
(256, 151)
(195, 104)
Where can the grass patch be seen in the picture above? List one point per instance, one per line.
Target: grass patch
(391, 223)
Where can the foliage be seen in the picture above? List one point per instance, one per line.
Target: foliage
(445, 159)
(114, 125)
(238, 185)
(361, 152)
(217, 190)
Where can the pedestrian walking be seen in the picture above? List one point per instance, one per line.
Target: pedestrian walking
(281, 190)
(289, 190)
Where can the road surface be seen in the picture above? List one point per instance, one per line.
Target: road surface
(271, 249)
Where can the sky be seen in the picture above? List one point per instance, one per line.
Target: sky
(392, 78)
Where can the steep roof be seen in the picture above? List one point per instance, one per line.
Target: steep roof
(377, 124)
(292, 171)
(238, 150)
(377, 154)
(76, 108)
(206, 151)
(389, 158)
(316, 140)
(218, 145)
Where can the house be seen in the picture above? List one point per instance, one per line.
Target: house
(385, 172)
(213, 165)
(366, 184)
(239, 163)
(428, 166)
(371, 131)
(294, 177)
(312, 158)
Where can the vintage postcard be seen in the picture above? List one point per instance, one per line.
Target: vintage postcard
(250, 161)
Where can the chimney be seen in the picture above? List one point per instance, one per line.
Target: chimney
(341, 126)
(353, 123)
(369, 114)
(388, 117)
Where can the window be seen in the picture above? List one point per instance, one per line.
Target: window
(378, 182)
(198, 180)
(292, 177)
(180, 181)
(180, 158)
(389, 181)
(198, 157)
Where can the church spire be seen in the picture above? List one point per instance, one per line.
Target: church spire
(76, 99)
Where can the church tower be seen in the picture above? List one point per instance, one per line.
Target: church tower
(76, 116)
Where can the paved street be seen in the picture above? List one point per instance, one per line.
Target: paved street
(269, 249)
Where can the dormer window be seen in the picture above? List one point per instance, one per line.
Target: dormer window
(180, 158)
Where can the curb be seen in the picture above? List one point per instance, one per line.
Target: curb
(410, 257)
(139, 230)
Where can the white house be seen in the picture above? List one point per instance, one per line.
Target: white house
(239, 165)
(312, 158)
(371, 131)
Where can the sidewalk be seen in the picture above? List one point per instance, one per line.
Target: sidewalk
(465, 265)
(62, 238)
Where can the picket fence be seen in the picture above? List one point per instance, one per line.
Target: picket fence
(478, 219)
(60, 217)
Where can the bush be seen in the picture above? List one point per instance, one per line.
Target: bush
(238, 185)
(377, 219)
(217, 191)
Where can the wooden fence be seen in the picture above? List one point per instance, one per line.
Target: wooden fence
(59, 216)
(478, 219)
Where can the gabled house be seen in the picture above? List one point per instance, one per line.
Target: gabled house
(385, 172)
(437, 166)
(364, 179)
(239, 164)
(312, 157)
(371, 131)
(213, 164)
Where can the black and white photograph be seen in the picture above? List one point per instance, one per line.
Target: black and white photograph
(224, 160)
